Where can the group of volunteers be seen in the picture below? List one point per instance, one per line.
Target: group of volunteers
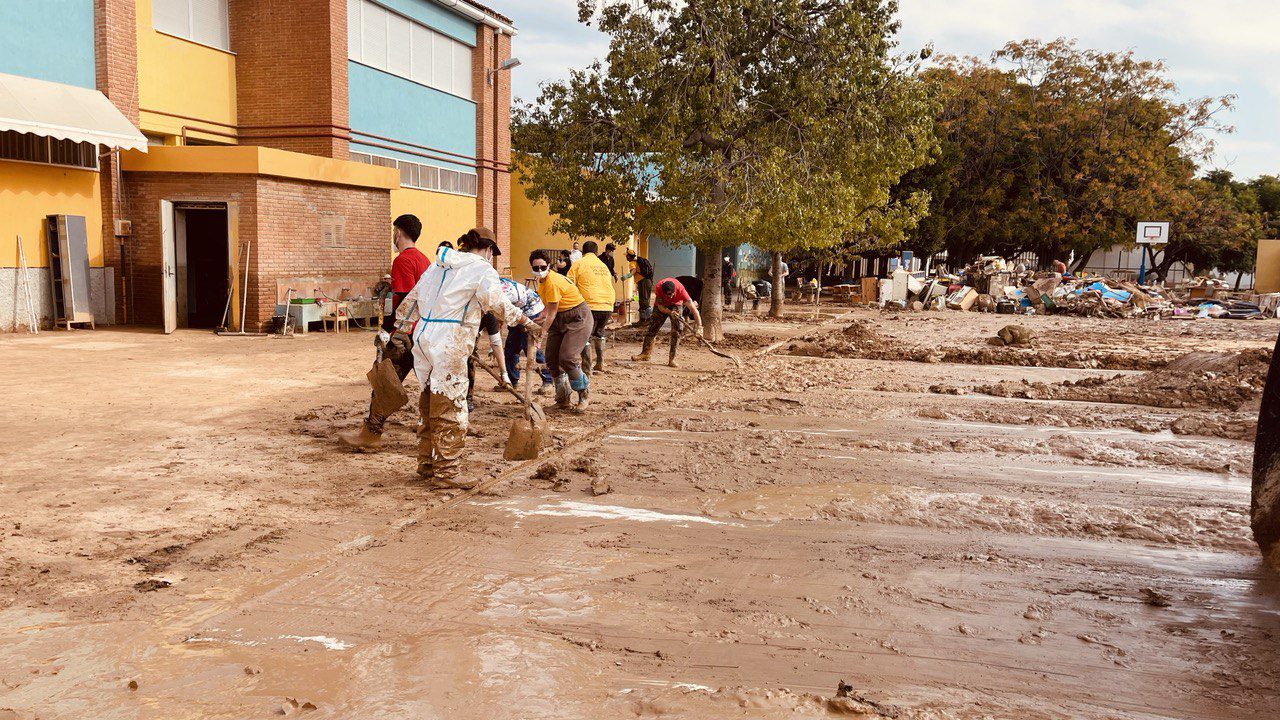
(441, 306)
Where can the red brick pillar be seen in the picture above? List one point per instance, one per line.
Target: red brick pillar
(492, 94)
(291, 69)
(115, 49)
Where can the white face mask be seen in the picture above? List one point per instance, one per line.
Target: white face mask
(540, 274)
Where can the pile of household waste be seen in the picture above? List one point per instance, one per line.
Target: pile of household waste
(990, 286)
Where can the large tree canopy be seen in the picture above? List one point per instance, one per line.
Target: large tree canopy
(784, 123)
(1050, 148)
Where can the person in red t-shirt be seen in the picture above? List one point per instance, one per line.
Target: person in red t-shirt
(672, 300)
(406, 269)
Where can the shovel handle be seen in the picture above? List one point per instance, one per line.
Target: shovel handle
(476, 358)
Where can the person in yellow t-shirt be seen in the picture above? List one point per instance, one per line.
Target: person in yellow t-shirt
(567, 321)
(595, 282)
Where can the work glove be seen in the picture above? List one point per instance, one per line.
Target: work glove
(382, 339)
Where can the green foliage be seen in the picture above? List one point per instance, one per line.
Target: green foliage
(783, 123)
(1050, 148)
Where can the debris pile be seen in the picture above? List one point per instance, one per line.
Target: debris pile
(995, 285)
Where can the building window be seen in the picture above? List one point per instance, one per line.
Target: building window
(425, 177)
(27, 147)
(393, 43)
(202, 21)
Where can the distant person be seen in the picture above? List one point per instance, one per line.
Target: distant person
(642, 271)
(564, 261)
(606, 257)
(673, 301)
(591, 276)
(693, 285)
(728, 278)
(576, 254)
(782, 279)
(406, 269)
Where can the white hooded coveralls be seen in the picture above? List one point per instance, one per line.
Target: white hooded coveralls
(448, 301)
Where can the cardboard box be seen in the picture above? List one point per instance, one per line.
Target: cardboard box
(962, 299)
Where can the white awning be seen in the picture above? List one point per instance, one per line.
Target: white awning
(65, 112)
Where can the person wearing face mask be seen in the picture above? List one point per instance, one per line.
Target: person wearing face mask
(568, 323)
(459, 287)
(406, 269)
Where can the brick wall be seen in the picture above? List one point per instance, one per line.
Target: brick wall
(144, 191)
(291, 69)
(493, 135)
(115, 47)
(280, 217)
(288, 236)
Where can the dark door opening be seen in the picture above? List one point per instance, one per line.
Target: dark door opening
(203, 261)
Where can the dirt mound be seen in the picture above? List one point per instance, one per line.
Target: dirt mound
(857, 339)
(861, 339)
(1220, 381)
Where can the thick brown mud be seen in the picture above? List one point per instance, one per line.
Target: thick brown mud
(809, 536)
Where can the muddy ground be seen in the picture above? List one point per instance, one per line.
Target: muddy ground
(876, 532)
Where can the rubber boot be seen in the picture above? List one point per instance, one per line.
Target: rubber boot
(586, 359)
(583, 389)
(361, 439)
(563, 392)
(597, 344)
(671, 355)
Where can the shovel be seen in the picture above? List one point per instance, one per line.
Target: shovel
(712, 348)
(530, 430)
(388, 389)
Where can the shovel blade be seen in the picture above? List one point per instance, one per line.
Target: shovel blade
(388, 390)
(525, 439)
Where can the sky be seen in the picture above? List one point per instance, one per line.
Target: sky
(1211, 47)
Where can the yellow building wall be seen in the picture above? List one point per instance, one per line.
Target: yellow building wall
(29, 192)
(531, 230)
(1266, 278)
(444, 216)
(185, 78)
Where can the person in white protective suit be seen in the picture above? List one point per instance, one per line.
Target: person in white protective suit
(459, 287)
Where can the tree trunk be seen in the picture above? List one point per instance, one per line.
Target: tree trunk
(775, 276)
(1239, 279)
(712, 301)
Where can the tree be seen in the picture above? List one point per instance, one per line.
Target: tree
(783, 123)
(1218, 229)
(1054, 149)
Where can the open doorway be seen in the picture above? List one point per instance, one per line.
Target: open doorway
(202, 262)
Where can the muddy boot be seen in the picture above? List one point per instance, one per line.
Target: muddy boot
(586, 359)
(426, 470)
(361, 439)
(563, 399)
(645, 352)
(671, 354)
(597, 344)
(581, 407)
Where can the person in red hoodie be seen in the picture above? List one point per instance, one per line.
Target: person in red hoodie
(409, 265)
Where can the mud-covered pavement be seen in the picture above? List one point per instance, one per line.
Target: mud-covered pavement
(182, 537)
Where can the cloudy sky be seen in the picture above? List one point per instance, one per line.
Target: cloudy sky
(1212, 47)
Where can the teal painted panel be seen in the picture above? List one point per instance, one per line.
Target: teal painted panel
(436, 17)
(669, 261)
(49, 40)
(387, 105)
